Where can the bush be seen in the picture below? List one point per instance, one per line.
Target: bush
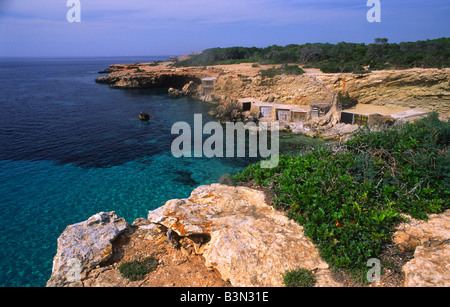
(412, 160)
(284, 69)
(135, 270)
(299, 278)
(349, 203)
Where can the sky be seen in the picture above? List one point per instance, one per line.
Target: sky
(177, 27)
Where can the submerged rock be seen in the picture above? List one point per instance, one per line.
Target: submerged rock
(144, 116)
(83, 246)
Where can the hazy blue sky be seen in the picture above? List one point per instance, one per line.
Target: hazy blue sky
(177, 27)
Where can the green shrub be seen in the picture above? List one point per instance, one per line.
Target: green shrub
(412, 162)
(349, 203)
(340, 57)
(283, 69)
(135, 270)
(299, 278)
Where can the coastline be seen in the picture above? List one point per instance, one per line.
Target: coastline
(174, 215)
(378, 92)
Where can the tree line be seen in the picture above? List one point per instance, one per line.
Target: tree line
(335, 58)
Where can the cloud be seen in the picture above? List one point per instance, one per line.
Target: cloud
(173, 13)
(173, 23)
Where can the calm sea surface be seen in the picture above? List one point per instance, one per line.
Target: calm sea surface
(70, 148)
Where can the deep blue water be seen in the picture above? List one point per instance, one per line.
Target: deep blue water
(70, 148)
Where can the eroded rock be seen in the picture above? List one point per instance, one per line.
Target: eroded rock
(83, 246)
(250, 244)
(430, 266)
(416, 232)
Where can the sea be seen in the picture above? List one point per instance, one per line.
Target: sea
(70, 148)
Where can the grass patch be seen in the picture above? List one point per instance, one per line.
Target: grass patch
(299, 278)
(135, 270)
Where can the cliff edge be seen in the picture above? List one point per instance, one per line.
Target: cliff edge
(427, 89)
(229, 236)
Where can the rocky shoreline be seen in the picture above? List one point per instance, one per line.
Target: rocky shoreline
(415, 88)
(421, 89)
(230, 236)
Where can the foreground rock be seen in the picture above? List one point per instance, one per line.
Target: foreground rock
(226, 236)
(430, 266)
(241, 237)
(83, 246)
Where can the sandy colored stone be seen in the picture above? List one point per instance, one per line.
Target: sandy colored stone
(247, 241)
(426, 89)
(429, 268)
(416, 232)
(83, 246)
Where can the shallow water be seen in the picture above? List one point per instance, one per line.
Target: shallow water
(70, 148)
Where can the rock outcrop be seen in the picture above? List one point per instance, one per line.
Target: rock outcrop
(416, 88)
(190, 89)
(427, 89)
(83, 246)
(241, 237)
(430, 266)
(144, 80)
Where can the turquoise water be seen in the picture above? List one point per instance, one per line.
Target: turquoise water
(70, 148)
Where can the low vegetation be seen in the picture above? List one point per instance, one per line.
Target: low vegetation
(350, 201)
(299, 278)
(283, 69)
(136, 270)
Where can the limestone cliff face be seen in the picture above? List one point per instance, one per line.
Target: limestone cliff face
(301, 90)
(144, 80)
(427, 89)
(417, 88)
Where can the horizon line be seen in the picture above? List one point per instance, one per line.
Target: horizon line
(169, 55)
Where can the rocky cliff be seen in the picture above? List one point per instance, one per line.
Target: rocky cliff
(427, 89)
(416, 88)
(228, 236)
(240, 237)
